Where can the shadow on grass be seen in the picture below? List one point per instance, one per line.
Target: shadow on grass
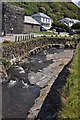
(53, 103)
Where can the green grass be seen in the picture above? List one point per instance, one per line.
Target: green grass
(6, 63)
(45, 32)
(71, 107)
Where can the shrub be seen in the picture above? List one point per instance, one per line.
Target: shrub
(42, 9)
(5, 62)
(76, 25)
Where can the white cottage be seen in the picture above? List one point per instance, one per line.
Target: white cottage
(44, 20)
(68, 21)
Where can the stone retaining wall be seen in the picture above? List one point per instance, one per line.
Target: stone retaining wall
(0, 17)
(21, 49)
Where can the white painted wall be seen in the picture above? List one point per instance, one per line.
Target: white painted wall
(44, 20)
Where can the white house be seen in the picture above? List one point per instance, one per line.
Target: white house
(44, 20)
(68, 21)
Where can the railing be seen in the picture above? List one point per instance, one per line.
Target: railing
(18, 37)
(23, 37)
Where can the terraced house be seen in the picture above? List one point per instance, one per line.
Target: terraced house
(68, 21)
(44, 20)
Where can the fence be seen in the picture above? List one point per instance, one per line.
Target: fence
(18, 37)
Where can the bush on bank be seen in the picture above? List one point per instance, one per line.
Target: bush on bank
(6, 63)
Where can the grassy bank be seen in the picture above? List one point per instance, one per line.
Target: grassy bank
(72, 90)
(45, 32)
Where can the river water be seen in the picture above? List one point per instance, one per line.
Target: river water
(19, 93)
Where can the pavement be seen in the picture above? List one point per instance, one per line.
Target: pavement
(1, 39)
(11, 37)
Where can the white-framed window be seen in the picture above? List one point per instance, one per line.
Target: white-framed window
(42, 19)
(48, 20)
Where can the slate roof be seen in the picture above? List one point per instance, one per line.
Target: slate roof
(75, 21)
(30, 20)
(69, 19)
(41, 15)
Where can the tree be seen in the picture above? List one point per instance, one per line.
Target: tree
(76, 25)
(60, 25)
(42, 9)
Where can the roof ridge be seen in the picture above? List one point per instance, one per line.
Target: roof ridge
(41, 14)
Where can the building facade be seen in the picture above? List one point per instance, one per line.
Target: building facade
(44, 20)
(31, 25)
(68, 21)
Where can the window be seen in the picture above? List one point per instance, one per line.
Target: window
(32, 26)
(41, 19)
(48, 20)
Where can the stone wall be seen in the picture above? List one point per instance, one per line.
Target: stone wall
(0, 17)
(12, 17)
(22, 48)
(31, 28)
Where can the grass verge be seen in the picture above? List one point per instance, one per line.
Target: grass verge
(71, 107)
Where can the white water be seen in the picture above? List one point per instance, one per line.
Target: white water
(25, 84)
(12, 83)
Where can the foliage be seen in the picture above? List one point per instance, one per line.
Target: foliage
(45, 32)
(42, 9)
(76, 25)
(61, 25)
(5, 62)
(55, 10)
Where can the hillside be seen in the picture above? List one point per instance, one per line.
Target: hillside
(56, 10)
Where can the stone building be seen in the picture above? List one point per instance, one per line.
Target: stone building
(12, 17)
(0, 18)
(31, 25)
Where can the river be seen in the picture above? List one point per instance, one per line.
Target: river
(25, 80)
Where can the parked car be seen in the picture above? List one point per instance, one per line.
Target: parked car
(43, 29)
(72, 32)
(78, 31)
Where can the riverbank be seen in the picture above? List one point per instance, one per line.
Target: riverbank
(72, 91)
(39, 72)
(52, 72)
(64, 103)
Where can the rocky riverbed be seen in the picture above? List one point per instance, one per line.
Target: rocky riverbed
(46, 78)
(30, 82)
